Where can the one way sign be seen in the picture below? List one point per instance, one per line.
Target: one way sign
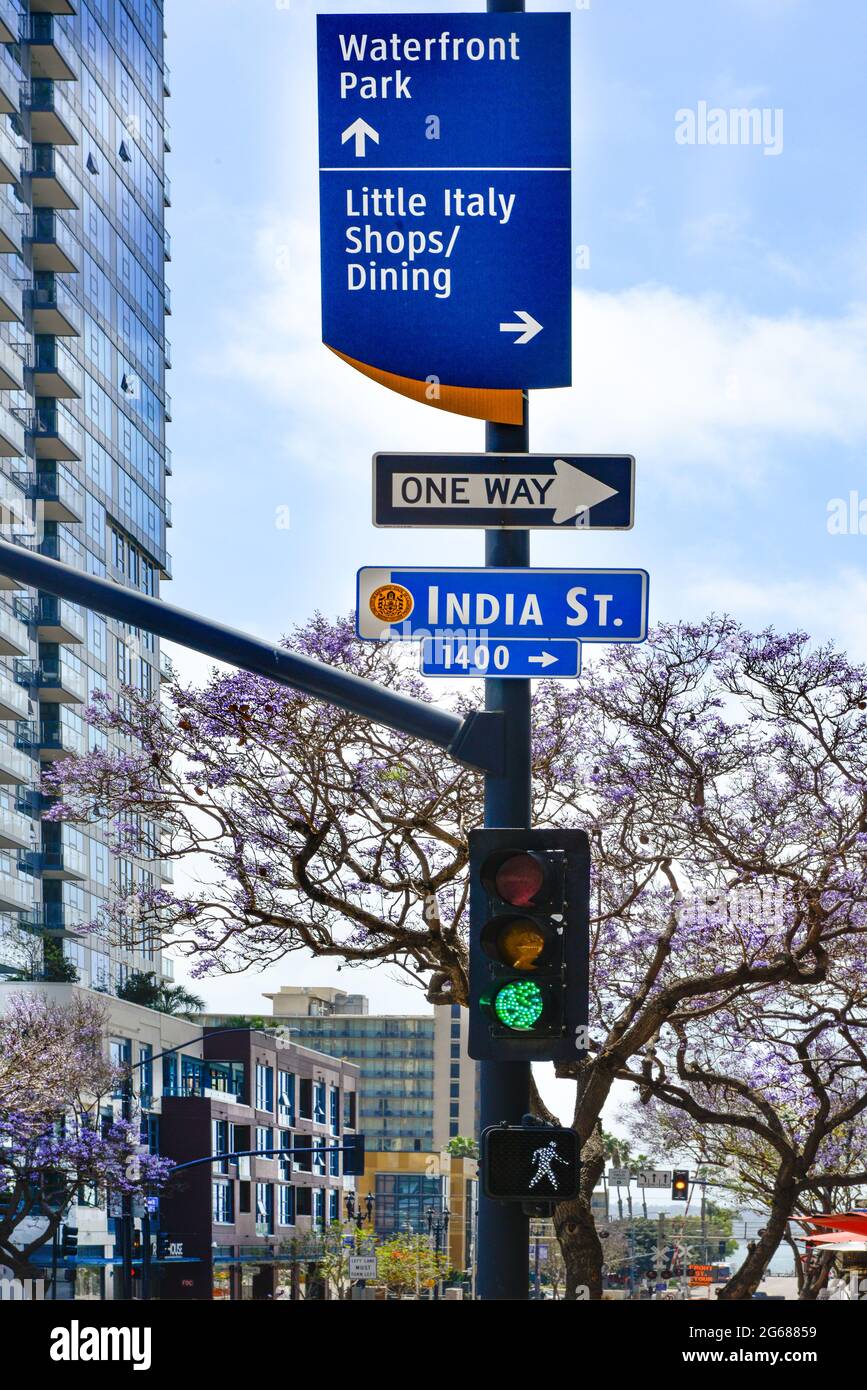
(517, 491)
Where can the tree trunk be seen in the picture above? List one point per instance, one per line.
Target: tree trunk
(582, 1250)
(576, 1230)
(20, 1267)
(746, 1280)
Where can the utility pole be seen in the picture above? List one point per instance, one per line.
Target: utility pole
(504, 1087)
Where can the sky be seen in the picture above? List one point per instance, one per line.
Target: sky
(720, 332)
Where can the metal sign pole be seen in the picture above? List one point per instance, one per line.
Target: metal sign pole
(504, 1087)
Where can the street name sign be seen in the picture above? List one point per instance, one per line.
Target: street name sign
(513, 491)
(456, 656)
(590, 605)
(444, 151)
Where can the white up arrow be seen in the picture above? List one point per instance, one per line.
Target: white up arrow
(526, 329)
(360, 132)
(546, 659)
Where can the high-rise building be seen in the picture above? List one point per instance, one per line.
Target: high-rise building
(83, 457)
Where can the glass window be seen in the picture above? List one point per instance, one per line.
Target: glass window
(286, 1205)
(319, 1102)
(286, 1096)
(223, 1207)
(264, 1087)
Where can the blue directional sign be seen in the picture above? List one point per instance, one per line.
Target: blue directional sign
(543, 491)
(470, 656)
(444, 148)
(590, 605)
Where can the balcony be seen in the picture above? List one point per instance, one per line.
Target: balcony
(59, 682)
(11, 228)
(52, 243)
(166, 566)
(53, 7)
(53, 183)
(55, 433)
(16, 893)
(58, 620)
(15, 767)
(55, 371)
(167, 79)
(63, 861)
(10, 85)
(55, 310)
(61, 496)
(9, 18)
(51, 53)
(11, 157)
(16, 831)
(52, 119)
(11, 299)
(168, 507)
(11, 435)
(11, 368)
(167, 407)
(167, 246)
(58, 739)
(167, 191)
(53, 919)
(14, 637)
(168, 462)
(58, 548)
(14, 700)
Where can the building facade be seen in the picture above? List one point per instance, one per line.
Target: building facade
(237, 1229)
(418, 1088)
(83, 457)
(252, 1224)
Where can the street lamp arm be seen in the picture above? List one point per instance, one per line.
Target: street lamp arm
(477, 739)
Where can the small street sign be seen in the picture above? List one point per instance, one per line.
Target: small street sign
(493, 604)
(458, 657)
(362, 1267)
(619, 1177)
(519, 491)
(654, 1177)
(444, 151)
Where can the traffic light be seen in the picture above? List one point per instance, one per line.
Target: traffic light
(529, 944)
(353, 1155)
(680, 1185)
(69, 1243)
(530, 1163)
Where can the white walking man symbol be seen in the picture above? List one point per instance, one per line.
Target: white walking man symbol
(542, 1160)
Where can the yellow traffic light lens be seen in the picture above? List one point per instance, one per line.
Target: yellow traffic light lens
(521, 943)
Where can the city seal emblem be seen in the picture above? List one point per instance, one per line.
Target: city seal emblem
(391, 603)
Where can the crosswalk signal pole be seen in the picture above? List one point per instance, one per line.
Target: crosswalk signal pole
(504, 1087)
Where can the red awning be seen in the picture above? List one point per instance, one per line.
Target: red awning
(850, 1221)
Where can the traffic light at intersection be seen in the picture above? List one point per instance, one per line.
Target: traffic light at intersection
(529, 944)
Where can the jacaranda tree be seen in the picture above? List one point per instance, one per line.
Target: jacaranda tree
(703, 763)
(55, 1083)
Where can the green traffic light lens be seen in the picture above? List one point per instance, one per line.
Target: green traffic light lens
(519, 1005)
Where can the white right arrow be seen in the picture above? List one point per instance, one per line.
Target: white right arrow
(575, 491)
(360, 132)
(546, 659)
(527, 328)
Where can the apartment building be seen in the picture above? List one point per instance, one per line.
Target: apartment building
(83, 456)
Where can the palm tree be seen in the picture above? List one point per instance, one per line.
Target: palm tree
(143, 987)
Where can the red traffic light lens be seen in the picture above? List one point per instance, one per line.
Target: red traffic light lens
(519, 879)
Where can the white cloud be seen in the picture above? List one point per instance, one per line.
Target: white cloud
(678, 380)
